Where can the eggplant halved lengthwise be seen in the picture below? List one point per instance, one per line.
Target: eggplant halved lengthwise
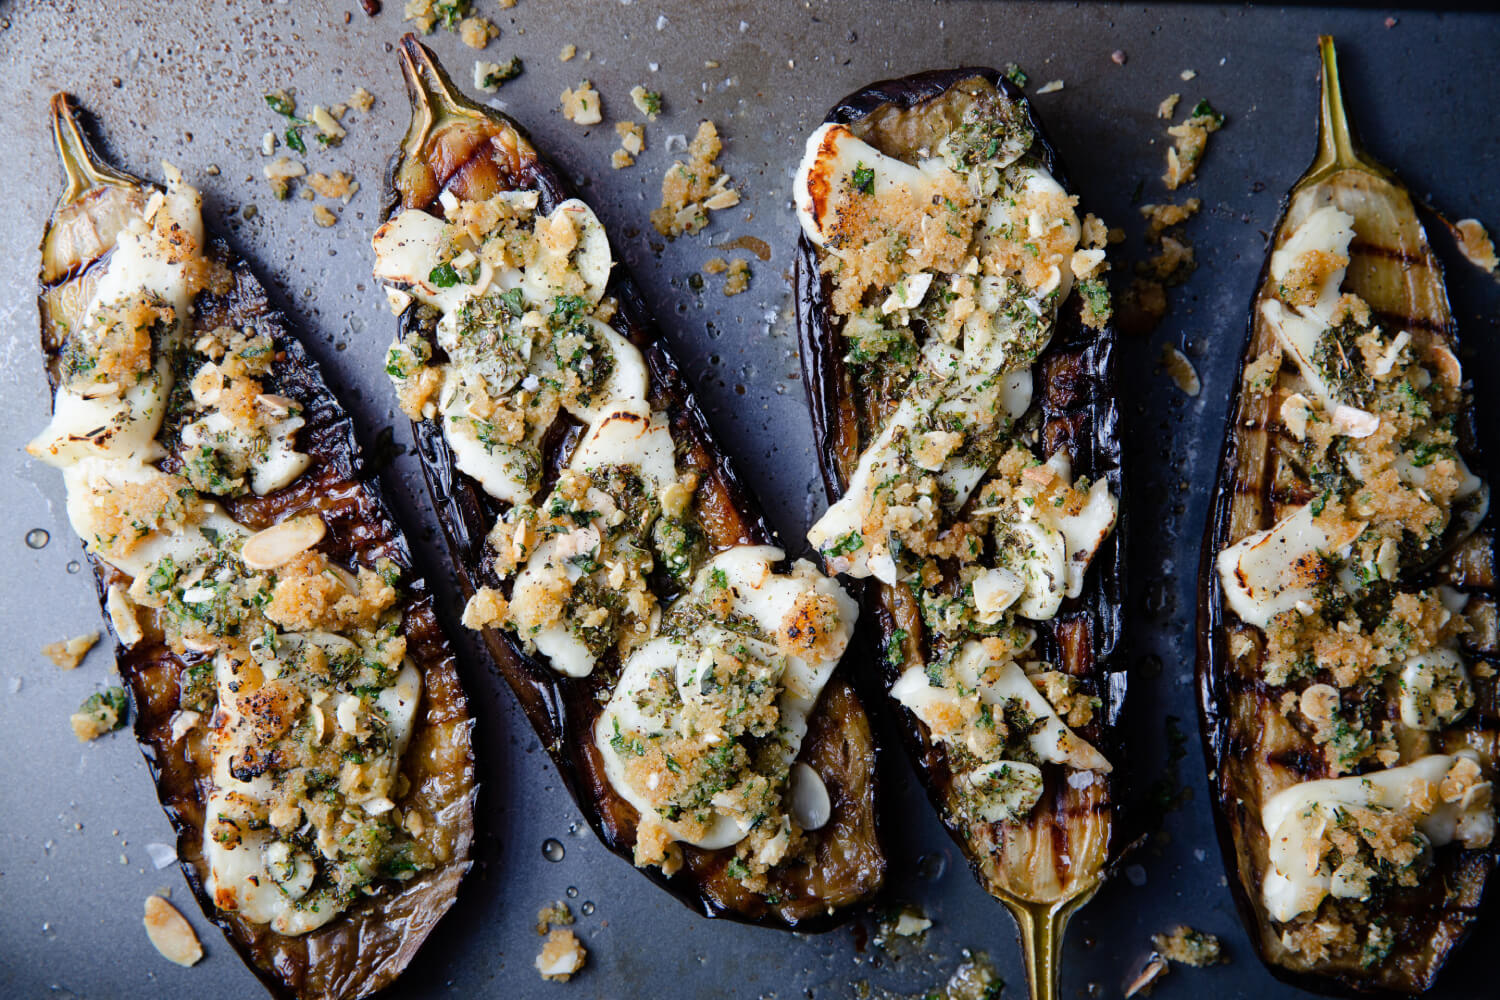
(1347, 624)
(294, 696)
(958, 360)
(678, 668)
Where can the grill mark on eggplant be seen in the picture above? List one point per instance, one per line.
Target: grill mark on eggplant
(850, 862)
(367, 946)
(1434, 917)
(1075, 394)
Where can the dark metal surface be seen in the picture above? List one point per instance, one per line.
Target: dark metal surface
(75, 821)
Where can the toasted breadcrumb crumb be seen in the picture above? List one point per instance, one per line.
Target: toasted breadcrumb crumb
(580, 105)
(477, 32)
(1190, 139)
(691, 189)
(486, 608)
(561, 957)
(716, 265)
(647, 102)
(567, 53)
(1161, 217)
(1168, 107)
(739, 277)
(556, 914)
(1186, 946)
(361, 100)
(323, 217)
(70, 652)
(335, 185)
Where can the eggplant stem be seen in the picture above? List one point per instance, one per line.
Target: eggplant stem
(434, 98)
(82, 166)
(1337, 147)
(1042, 924)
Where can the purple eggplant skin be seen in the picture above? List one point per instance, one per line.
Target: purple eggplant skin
(1075, 389)
(475, 151)
(364, 949)
(1433, 918)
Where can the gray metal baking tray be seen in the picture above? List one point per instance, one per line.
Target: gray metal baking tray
(185, 82)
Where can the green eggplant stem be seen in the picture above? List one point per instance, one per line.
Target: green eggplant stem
(82, 166)
(434, 98)
(1042, 924)
(1337, 147)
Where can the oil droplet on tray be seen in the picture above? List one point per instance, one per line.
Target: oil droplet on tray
(38, 538)
(587, 908)
(74, 567)
(572, 892)
(552, 850)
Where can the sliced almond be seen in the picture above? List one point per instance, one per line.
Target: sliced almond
(280, 543)
(811, 806)
(170, 933)
(122, 615)
(278, 406)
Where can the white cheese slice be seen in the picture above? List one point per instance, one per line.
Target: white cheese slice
(1053, 741)
(590, 256)
(824, 178)
(93, 477)
(1296, 818)
(1328, 229)
(1425, 677)
(97, 420)
(767, 597)
(1273, 570)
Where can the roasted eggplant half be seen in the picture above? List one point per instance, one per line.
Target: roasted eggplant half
(1347, 624)
(955, 344)
(294, 696)
(680, 670)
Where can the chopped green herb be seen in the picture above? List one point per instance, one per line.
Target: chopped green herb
(443, 276)
(864, 178)
(1204, 109)
(1016, 75)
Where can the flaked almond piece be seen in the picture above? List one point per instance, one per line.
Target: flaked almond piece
(1181, 370)
(170, 933)
(278, 544)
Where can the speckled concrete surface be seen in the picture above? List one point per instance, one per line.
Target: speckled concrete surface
(185, 82)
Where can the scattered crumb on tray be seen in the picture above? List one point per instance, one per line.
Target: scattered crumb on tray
(101, 712)
(489, 76)
(1168, 107)
(1190, 139)
(568, 52)
(323, 217)
(1181, 370)
(580, 105)
(556, 914)
(68, 653)
(1050, 87)
(1186, 946)
(692, 189)
(477, 32)
(739, 277)
(1181, 945)
(561, 957)
(647, 102)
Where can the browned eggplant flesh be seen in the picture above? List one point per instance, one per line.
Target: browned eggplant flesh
(679, 668)
(1347, 631)
(294, 696)
(953, 314)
